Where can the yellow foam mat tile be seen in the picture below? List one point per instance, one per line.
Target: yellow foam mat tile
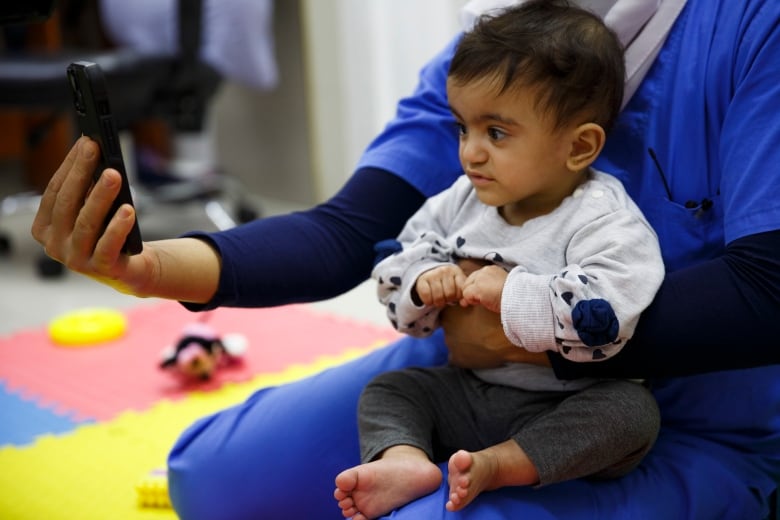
(92, 472)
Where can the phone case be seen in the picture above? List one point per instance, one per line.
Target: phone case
(94, 118)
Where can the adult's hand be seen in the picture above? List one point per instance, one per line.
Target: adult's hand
(476, 339)
(475, 336)
(69, 226)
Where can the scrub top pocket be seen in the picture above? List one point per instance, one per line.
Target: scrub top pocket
(688, 233)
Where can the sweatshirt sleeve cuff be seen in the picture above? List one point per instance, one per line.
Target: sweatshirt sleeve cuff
(526, 311)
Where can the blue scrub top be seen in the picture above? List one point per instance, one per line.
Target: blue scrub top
(710, 109)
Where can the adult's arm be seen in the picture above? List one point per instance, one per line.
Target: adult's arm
(302, 256)
(718, 315)
(313, 254)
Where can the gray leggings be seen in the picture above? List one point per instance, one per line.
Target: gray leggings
(602, 431)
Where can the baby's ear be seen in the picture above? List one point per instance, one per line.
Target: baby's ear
(587, 142)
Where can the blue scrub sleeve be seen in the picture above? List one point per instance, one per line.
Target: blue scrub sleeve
(420, 144)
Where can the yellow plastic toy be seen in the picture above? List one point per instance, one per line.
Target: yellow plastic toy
(87, 327)
(152, 490)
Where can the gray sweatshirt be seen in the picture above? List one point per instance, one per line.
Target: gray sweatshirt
(579, 277)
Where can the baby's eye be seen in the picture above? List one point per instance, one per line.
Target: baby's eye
(496, 133)
(460, 128)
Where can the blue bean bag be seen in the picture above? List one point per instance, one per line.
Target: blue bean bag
(276, 455)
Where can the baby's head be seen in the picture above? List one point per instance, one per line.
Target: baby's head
(571, 62)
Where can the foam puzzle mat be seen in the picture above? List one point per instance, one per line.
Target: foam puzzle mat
(80, 428)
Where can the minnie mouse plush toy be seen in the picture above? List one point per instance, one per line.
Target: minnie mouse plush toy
(201, 351)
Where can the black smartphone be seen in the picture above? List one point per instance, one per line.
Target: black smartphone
(94, 118)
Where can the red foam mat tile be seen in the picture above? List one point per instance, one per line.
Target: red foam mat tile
(98, 382)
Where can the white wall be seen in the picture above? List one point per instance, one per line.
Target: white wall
(262, 136)
(360, 57)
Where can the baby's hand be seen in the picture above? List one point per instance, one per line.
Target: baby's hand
(440, 286)
(484, 287)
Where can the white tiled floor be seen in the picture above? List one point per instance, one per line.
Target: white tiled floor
(27, 300)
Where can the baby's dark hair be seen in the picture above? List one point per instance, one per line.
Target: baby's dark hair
(573, 62)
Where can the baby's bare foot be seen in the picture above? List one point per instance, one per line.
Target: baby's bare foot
(469, 475)
(371, 490)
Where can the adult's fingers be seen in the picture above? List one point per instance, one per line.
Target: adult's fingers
(107, 255)
(88, 226)
(43, 217)
(74, 188)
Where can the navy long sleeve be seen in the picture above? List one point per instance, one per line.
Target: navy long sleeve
(314, 254)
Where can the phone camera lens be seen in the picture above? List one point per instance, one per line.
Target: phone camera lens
(78, 99)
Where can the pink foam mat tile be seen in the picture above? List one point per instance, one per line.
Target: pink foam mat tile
(97, 382)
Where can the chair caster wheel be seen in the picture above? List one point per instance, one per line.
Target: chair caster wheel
(246, 214)
(49, 268)
(5, 246)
